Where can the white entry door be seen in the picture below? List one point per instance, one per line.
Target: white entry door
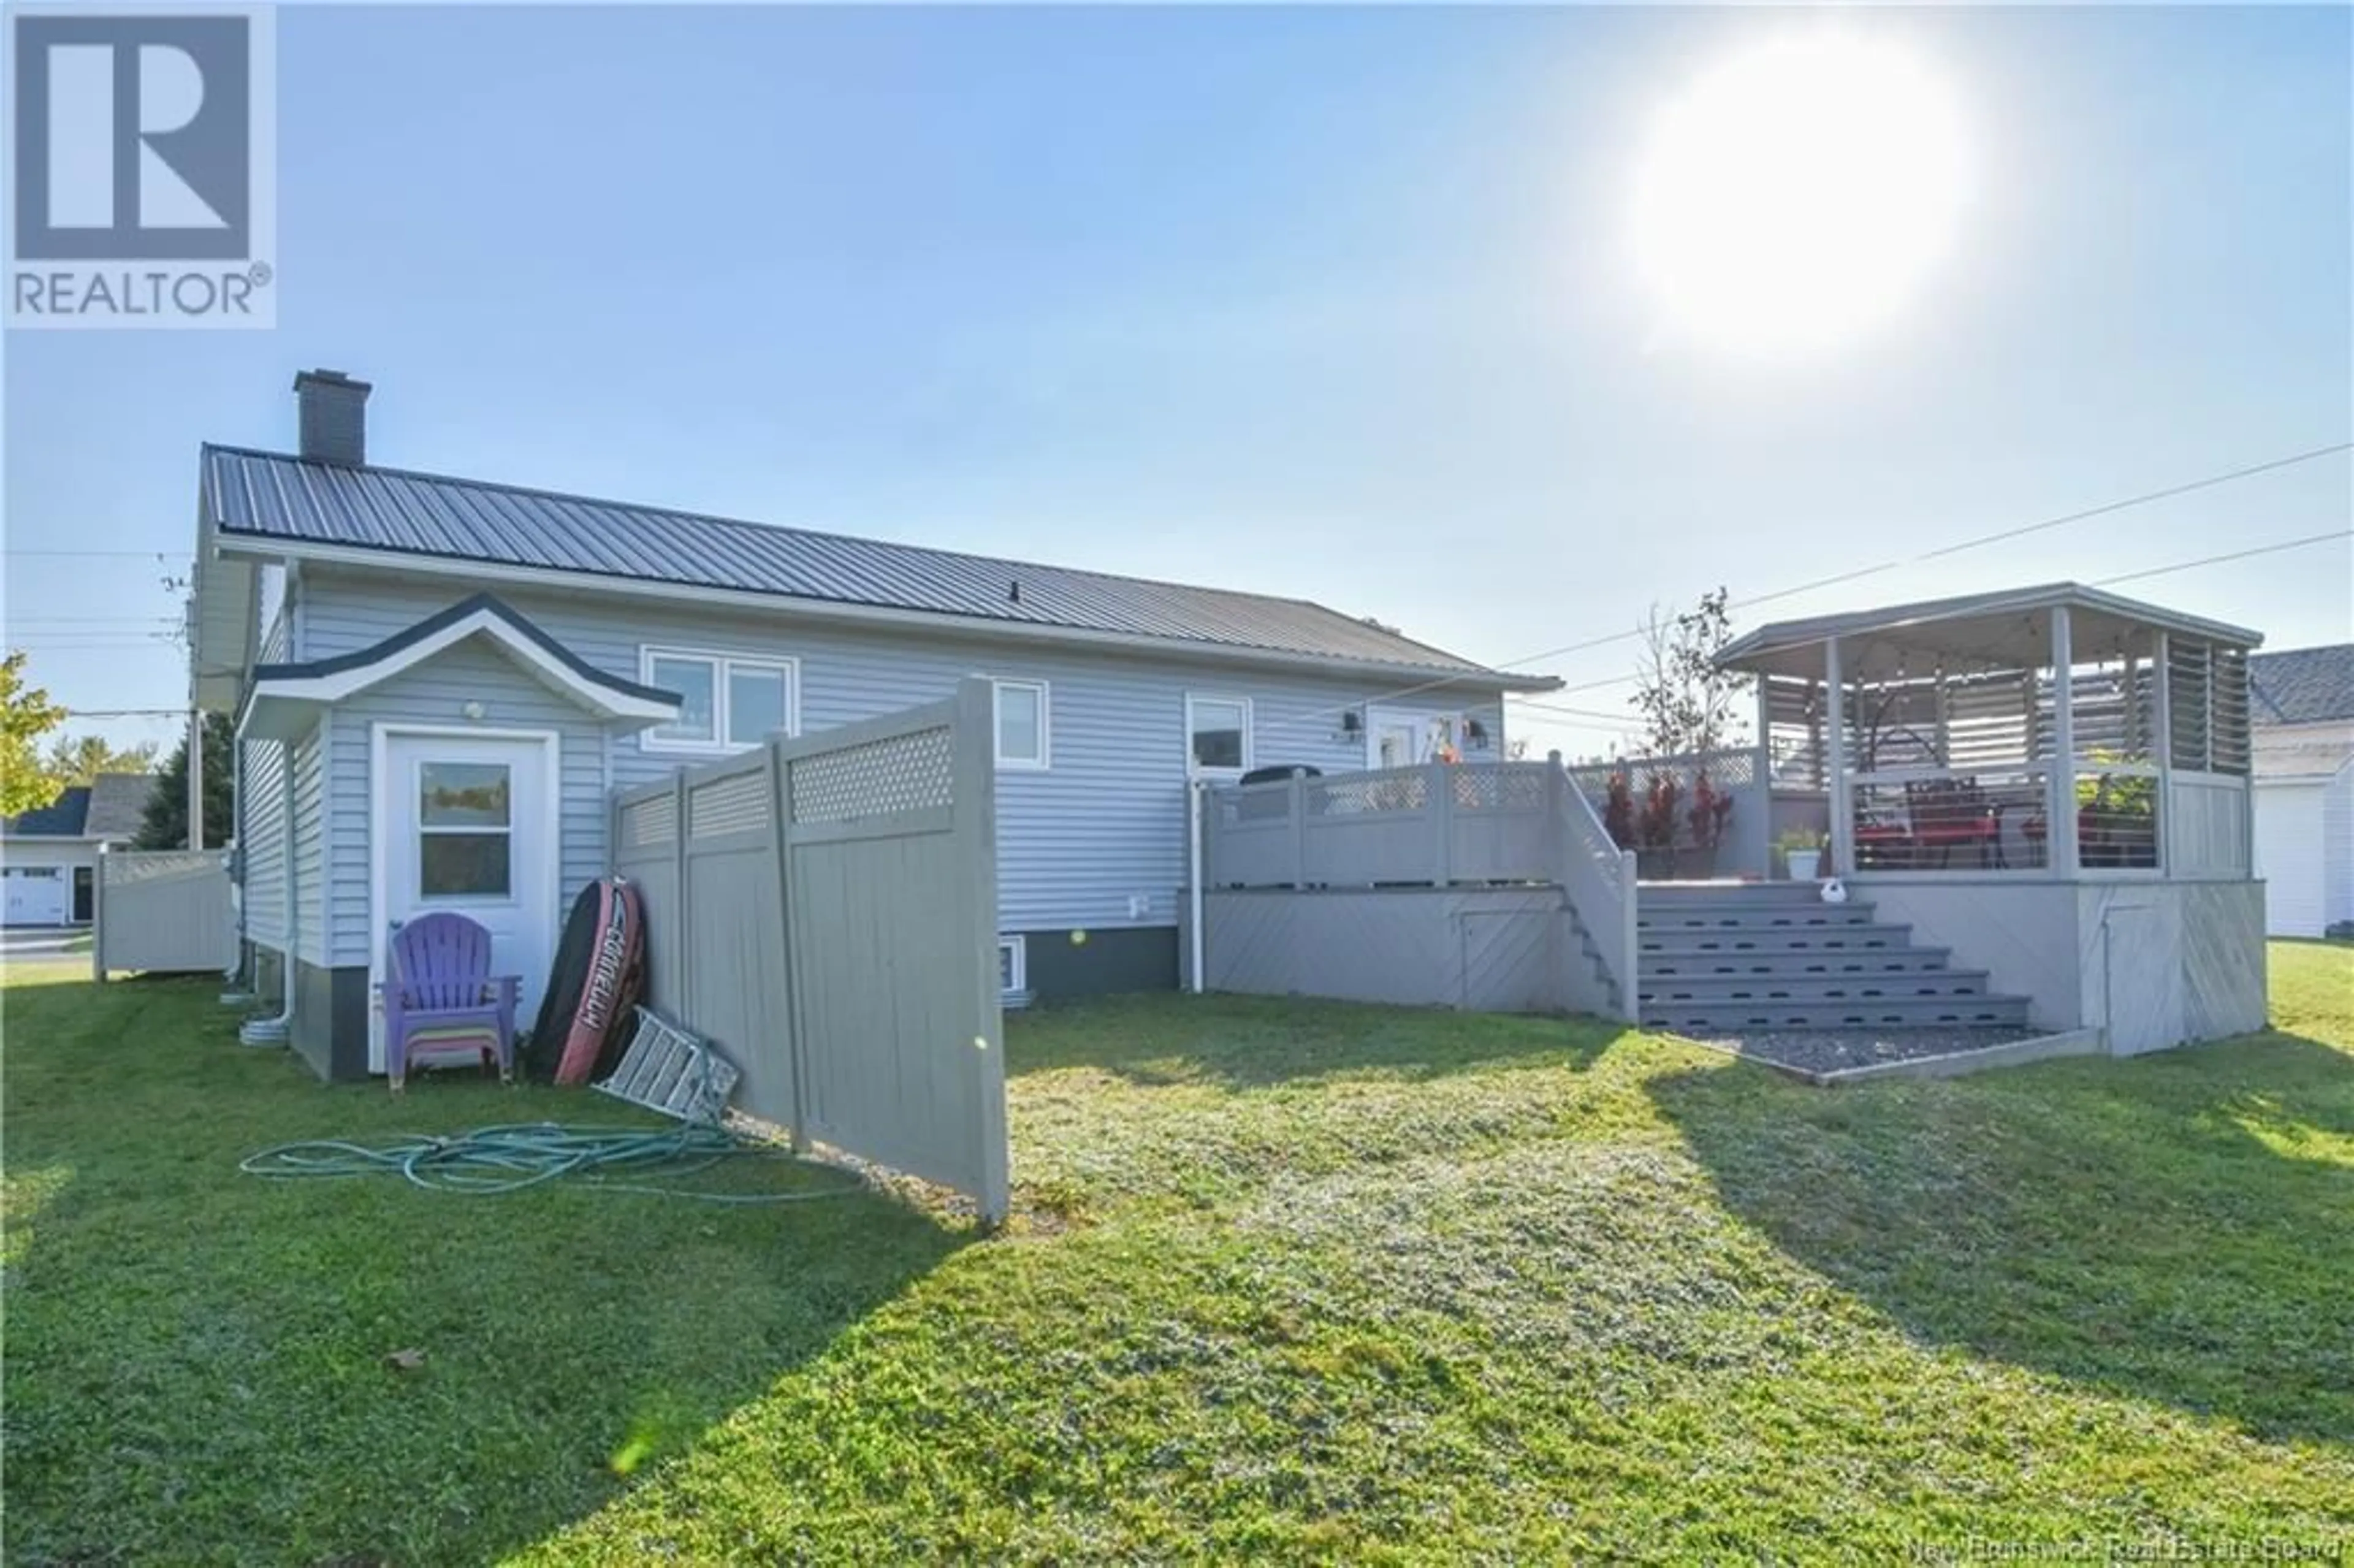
(1392, 739)
(35, 895)
(470, 825)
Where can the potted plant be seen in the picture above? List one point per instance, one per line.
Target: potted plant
(1655, 828)
(1802, 852)
(1707, 818)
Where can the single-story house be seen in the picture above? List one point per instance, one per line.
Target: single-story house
(48, 857)
(439, 683)
(2303, 718)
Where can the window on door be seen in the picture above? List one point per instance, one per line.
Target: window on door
(725, 703)
(1218, 733)
(465, 829)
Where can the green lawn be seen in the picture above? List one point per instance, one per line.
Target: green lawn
(1286, 1279)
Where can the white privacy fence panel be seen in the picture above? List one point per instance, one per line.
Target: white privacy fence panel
(164, 910)
(2208, 826)
(824, 908)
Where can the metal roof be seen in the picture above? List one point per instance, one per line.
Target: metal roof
(1985, 627)
(2304, 685)
(255, 498)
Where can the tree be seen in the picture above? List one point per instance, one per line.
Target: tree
(1684, 699)
(167, 823)
(26, 715)
(80, 758)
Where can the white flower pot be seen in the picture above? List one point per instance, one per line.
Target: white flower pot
(1803, 863)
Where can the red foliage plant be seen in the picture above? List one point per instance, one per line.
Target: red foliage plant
(1709, 811)
(1658, 825)
(1618, 812)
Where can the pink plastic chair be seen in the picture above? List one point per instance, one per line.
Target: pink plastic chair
(442, 987)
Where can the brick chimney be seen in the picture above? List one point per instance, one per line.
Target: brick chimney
(334, 417)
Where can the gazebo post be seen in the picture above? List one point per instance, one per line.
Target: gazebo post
(2062, 837)
(1835, 761)
(2161, 746)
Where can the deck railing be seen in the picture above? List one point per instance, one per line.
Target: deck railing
(1437, 825)
(1599, 879)
(1741, 774)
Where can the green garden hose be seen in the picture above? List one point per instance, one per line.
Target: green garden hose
(508, 1159)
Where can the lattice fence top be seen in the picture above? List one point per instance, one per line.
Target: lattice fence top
(653, 821)
(129, 866)
(736, 804)
(1397, 789)
(1506, 787)
(913, 772)
(1732, 770)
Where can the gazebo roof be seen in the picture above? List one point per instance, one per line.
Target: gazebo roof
(2009, 629)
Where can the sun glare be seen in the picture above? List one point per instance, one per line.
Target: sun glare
(1795, 196)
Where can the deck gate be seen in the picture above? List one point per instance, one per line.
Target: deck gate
(162, 911)
(824, 909)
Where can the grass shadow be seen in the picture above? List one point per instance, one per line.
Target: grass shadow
(1258, 1041)
(2159, 1229)
(198, 1359)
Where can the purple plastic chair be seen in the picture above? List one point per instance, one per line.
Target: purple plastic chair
(442, 991)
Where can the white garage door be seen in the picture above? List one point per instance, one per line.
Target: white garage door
(2289, 858)
(37, 895)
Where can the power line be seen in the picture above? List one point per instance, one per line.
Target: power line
(2208, 482)
(2106, 509)
(2273, 549)
(2232, 556)
(142, 555)
(1573, 713)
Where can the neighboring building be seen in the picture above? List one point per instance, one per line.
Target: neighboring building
(439, 683)
(2303, 714)
(48, 858)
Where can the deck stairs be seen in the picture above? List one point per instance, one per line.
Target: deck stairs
(1726, 956)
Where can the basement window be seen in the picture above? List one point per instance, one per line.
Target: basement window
(1012, 970)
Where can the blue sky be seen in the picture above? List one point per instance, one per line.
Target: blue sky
(1319, 302)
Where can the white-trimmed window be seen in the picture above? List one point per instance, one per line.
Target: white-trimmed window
(1012, 964)
(465, 829)
(1217, 735)
(727, 701)
(1021, 724)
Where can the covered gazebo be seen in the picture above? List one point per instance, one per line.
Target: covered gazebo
(2029, 777)
(2055, 732)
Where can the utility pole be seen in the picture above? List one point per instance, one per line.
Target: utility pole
(195, 777)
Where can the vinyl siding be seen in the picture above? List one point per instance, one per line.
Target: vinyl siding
(432, 693)
(2290, 830)
(1105, 822)
(2338, 840)
(264, 784)
(304, 796)
(262, 839)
